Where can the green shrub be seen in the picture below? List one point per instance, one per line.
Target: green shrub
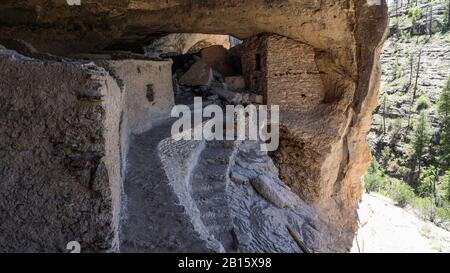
(396, 124)
(425, 207)
(443, 214)
(415, 14)
(396, 21)
(401, 193)
(397, 70)
(374, 179)
(422, 103)
(385, 157)
(421, 137)
(446, 20)
(398, 167)
(446, 185)
(444, 116)
(427, 185)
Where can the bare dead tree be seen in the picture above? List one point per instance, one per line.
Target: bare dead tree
(430, 28)
(415, 87)
(411, 68)
(448, 14)
(416, 83)
(396, 8)
(384, 106)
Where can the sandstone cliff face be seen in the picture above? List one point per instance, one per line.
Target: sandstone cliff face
(323, 153)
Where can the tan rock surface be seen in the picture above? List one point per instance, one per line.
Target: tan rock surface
(182, 43)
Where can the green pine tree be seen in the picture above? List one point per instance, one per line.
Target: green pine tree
(421, 138)
(446, 185)
(447, 15)
(444, 114)
(428, 184)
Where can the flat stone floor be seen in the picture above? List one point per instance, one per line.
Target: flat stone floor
(154, 221)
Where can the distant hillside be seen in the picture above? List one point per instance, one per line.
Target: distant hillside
(407, 130)
(400, 68)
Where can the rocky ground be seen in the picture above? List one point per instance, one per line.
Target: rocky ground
(385, 227)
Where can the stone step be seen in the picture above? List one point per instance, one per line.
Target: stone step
(215, 215)
(220, 229)
(211, 168)
(216, 156)
(216, 219)
(213, 207)
(219, 160)
(209, 184)
(218, 195)
(206, 186)
(221, 176)
(220, 144)
(211, 198)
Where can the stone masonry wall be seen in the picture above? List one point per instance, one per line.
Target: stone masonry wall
(254, 68)
(284, 71)
(60, 177)
(293, 79)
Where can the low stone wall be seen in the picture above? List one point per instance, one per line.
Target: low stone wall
(59, 155)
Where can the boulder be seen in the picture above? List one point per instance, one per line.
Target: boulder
(256, 99)
(219, 59)
(272, 191)
(235, 82)
(228, 96)
(199, 74)
(250, 98)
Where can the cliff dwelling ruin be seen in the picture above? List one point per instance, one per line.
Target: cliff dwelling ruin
(85, 99)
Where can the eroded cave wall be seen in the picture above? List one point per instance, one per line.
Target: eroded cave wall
(182, 43)
(60, 163)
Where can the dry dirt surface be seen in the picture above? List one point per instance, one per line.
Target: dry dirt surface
(385, 227)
